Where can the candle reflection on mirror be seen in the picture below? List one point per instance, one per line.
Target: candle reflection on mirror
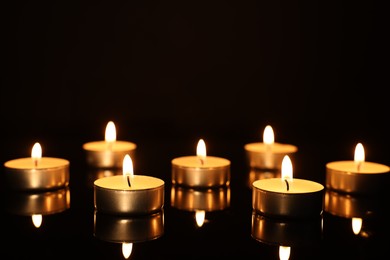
(37, 205)
(128, 230)
(356, 208)
(284, 252)
(200, 201)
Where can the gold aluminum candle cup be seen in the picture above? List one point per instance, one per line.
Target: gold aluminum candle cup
(125, 229)
(44, 203)
(363, 182)
(98, 157)
(284, 232)
(256, 174)
(288, 205)
(202, 176)
(258, 158)
(190, 199)
(351, 206)
(129, 201)
(37, 179)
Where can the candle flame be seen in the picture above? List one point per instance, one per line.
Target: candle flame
(268, 135)
(200, 217)
(110, 135)
(127, 166)
(359, 154)
(37, 220)
(357, 225)
(201, 150)
(127, 248)
(36, 152)
(284, 252)
(287, 169)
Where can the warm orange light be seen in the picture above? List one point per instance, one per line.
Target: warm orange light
(287, 169)
(359, 153)
(36, 152)
(201, 150)
(37, 220)
(268, 135)
(357, 225)
(110, 135)
(127, 248)
(200, 217)
(284, 252)
(127, 166)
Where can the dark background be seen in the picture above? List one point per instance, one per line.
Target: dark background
(171, 72)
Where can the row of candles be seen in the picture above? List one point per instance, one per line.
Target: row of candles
(273, 198)
(200, 170)
(141, 194)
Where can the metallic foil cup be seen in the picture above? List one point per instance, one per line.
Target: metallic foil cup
(202, 176)
(127, 201)
(286, 232)
(98, 157)
(288, 205)
(126, 229)
(258, 158)
(37, 179)
(190, 199)
(355, 182)
(44, 203)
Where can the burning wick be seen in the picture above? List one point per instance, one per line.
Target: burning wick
(128, 168)
(128, 180)
(110, 134)
(286, 170)
(359, 156)
(288, 186)
(36, 153)
(201, 151)
(201, 161)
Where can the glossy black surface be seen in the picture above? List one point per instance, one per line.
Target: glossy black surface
(171, 72)
(231, 230)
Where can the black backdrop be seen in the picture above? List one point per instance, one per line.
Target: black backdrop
(171, 72)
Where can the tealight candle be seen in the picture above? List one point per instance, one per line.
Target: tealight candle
(128, 194)
(357, 176)
(268, 155)
(110, 152)
(287, 197)
(37, 172)
(200, 170)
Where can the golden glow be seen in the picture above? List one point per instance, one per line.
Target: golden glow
(199, 217)
(284, 252)
(128, 166)
(268, 135)
(127, 248)
(37, 220)
(201, 149)
(287, 169)
(359, 153)
(357, 225)
(110, 135)
(36, 152)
